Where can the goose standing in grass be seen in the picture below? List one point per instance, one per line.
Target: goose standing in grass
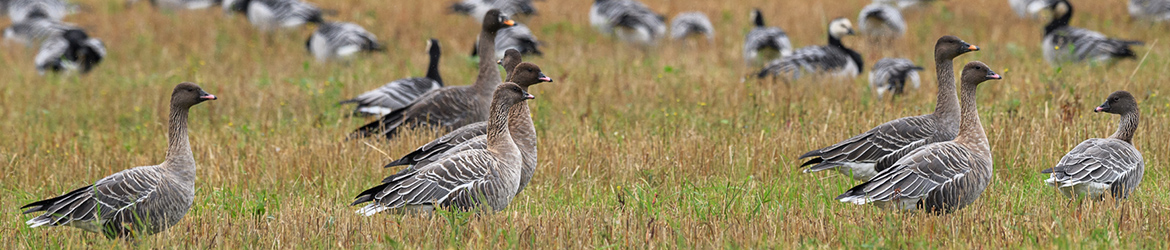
(1156, 10)
(1064, 43)
(478, 8)
(1029, 8)
(865, 155)
(465, 181)
(881, 21)
(450, 107)
(834, 59)
(23, 10)
(765, 43)
(73, 50)
(892, 74)
(630, 20)
(693, 23)
(517, 37)
(399, 93)
(1101, 165)
(32, 31)
(340, 40)
(270, 15)
(138, 201)
(941, 177)
(179, 4)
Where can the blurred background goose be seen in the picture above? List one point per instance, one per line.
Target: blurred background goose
(630, 20)
(1029, 9)
(833, 59)
(892, 75)
(340, 40)
(517, 37)
(22, 10)
(1064, 43)
(478, 8)
(693, 23)
(1156, 10)
(881, 22)
(73, 50)
(1103, 165)
(33, 31)
(765, 43)
(269, 15)
(399, 93)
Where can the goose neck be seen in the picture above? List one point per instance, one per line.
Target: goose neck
(499, 137)
(947, 101)
(1060, 21)
(489, 74)
(970, 127)
(433, 68)
(1127, 126)
(178, 147)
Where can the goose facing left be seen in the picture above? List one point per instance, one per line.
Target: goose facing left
(138, 201)
(1103, 165)
(73, 50)
(693, 23)
(478, 8)
(340, 40)
(270, 15)
(630, 20)
(881, 21)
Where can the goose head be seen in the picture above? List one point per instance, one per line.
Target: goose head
(757, 18)
(528, 74)
(188, 94)
(511, 93)
(977, 72)
(510, 60)
(1119, 102)
(494, 21)
(949, 47)
(840, 27)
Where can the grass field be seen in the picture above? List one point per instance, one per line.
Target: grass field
(658, 147)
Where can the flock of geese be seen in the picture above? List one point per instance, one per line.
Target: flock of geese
(939, 162)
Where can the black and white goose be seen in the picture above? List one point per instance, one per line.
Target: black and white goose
(32, 31)
(340, 40)
(902, 4)
(833, 59)
(23, 10)
(478, 8)
(1064, 43)
(693, 23)
(275, 14)
(629, 20)
(401, 92)
(517, 37)
(73, 50)
(892, 75)
(1103, 165)
(765, 43)
(179, 4)
(1157, 10)
(1029, 8)
(881, 21)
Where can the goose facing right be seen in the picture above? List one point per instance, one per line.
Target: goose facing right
(401, 92)
(833, 59)
(941, 177)
(340, 40)
(269, 15)
(1103, 165)
(73, 50)
(137, 201)
(1156, 10)
(765, 43)
(1064, 43)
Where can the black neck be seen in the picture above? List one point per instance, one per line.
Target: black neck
(433, 67)
(1060, 21)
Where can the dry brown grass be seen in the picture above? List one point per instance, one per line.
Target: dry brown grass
(640, 148)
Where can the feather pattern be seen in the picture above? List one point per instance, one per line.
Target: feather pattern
(1063, 43)
(691, 24)
(478, 8)
(771, 41)
(273, 14)
(334, 40)
(830, 60)
(892, 75)
(23, 10)
(630, 20)
(399, 93)
(33, 31)
(1110, 163)
(1157, 10)
(71, 51)
(880, 20)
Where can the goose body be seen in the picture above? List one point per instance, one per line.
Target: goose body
(183, 4)
(23, 10)
(863, 156)
(892, 75)
(1157, 10)
(1063, 43)
(1103, 165)
(401, 92)
(33, 31)
(1028, 8)
(73, 50)
(275, 14)
(902, 4)
(339, 40)
(478, 8)
(158, 195)
(691, 24)
(517, 37)
(940, 177)
(833, 59)
(765, 43)
(881, 21)
(629, 20)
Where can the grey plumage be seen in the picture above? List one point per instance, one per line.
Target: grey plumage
(902, 4)
(1103, 165)
(338, 40)
(478, 8)
(881, 21)
(181, 4)
(833, 59)
(691, 24)
(142, 200)
(892, 75)
(771, 41)
(1157, 10)
(270, 15)
(1029, 8)
(23, 10)
(1064, 43)
(34, 31)
(73, 50)
(629, 20)
(517, 37)
(401, 92)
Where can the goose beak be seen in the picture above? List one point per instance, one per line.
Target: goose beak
(1102, 108)
(850, 32)
(208, 97)
(972, 47)
(993, 75)
(529, 96)
(509, 22)
(500, 62)
(543, 78)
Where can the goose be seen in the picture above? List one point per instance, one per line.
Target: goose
(881, 21)
(340, 40)
(138, 201)
(629, 20)
(1157, 10)
(478, 8)
(902, 4)
(270, 15)
(1101, 165)
(73, 50)
(464, 181)
(519, 124)
(1064, 43)
(691, 24)
(1029, 8)
(892, 74)
(35, 30)
(941, 177)
(834, 59)
(399, 93)
(866, 154)
(23, 10)
(179, 4)
(517, 37)
(765, 43)
(450, 107)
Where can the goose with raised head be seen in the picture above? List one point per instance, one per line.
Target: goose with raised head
(467, 180)
(450, 107)
(834, 59)
(863, 156)
(892, 75)
(73, 50)
(1156, 10)
(941, 177)
(340, 40)
(138, 201)
(399, 93)
(881, 21)
(1103, 165)
(765, 43)
(692, 23)
(630, 20)
(517, 37)
(269, 15)
(1064, 43)
(24, 10)
(478, 8)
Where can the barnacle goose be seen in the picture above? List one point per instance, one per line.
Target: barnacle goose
(73, 50)
(273, 14)
(340, 40)
(892, 75)
(765, 43)
(833, 59)
(629, 20)
(477, 8)
(881, 21)
(691, 24)
(517, 37)
(1064, 43)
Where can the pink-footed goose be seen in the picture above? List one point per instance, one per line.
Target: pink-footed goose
(451, 107)
(467, 180)
(941, 177)
(401, 92)
(864, 155)
(1101, 165)
(137, 201)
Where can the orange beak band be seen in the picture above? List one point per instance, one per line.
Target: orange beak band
(973, 48)
(509, 22)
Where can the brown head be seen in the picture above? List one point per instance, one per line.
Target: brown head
(528, 74)
(949, 47)
(188, 94)
(509, 61)
(511, 93)
(494, 21)
(1119, 102)
(977, 72)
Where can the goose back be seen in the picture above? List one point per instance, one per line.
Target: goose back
(24, 10)
(517, 37)
(1063, 43)
(34, 31)
(401, 92)
(1156, 10)
(834, 59)
(892, 75)
(1103, 165)
(880, 20)
(339, 40)
(691, 24)
(73, 50)
(765, 43)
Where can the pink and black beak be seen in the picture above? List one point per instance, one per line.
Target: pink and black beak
(528, 96)
(543, 78)
(993, 75)
(1103, 108)
(205, 96)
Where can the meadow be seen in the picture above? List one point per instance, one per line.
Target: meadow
(661, 147)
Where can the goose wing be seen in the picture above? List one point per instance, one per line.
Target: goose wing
(442, 144)
(451, 181)
(1095, 160)
(106, 200)
(392, 96)
(898, 136)
(916, 175)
